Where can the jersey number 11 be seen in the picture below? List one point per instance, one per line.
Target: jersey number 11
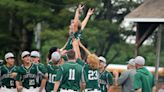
(71, 74)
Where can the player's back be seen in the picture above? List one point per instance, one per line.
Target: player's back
(92, 77)
(52, 71)
(72, 75)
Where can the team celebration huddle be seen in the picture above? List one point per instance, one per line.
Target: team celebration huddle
(66, 70)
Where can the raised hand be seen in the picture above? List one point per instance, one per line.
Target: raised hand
(80, 7)
(63, 52)
(90, 11)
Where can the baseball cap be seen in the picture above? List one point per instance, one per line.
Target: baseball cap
(24, 53)
(101, 58)
(139, 60)
(131, 62)
(35, 54)
(9, 55)
(55, 56)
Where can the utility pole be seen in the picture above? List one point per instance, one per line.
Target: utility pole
(37, 35)
(158, 48)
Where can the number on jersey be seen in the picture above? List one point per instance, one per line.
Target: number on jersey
(11, 83)
(71, 74)
(92, 75)
(31, 82)
(51, 78)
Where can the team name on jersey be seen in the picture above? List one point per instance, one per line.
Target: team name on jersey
(102, 81)
(6, 76)
(29, 76)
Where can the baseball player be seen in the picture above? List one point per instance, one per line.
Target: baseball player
(53, 67)
(69, 76)
(106, 78)
(1, 64)
(26, 79)
(35, 58)
(51, 50)
(8, 74)
(76, 26)
(92, 74)
(90, 69)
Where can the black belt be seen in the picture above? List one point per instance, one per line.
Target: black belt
(68, 89)
(91, 89)
(30, 87)
(9, 87)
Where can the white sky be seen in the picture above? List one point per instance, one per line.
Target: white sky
(131, 39)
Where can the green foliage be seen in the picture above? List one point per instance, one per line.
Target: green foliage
(52, 38)
(101, 35)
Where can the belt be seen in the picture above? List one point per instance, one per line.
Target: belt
(69, 89)
(9, 87)
(94, 90)
(30, 87)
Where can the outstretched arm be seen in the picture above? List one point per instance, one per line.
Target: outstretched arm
(77, 13)
(64, 46)
(84, 48)
(76, 48)
(85, 21)
(76, 18)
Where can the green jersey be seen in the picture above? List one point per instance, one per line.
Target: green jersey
(29, 76)
(65, 58)
(0, 77)
(91, 76)
(52, 71)
(42, 68)
(70, 75)
(6, 76)
(1, 64)
(143, 79)
(105, 80)
(76, 35)
(42, 71)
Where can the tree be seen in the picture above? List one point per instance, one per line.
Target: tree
(21, 16)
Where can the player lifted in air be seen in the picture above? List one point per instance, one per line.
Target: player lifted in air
(8, 74)
(76, 26)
